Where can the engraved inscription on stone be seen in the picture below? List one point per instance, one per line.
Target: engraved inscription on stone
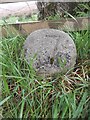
(55, 50)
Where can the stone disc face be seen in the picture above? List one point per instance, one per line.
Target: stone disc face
(55, 50)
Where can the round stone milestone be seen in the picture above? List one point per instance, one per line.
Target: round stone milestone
(54, 49)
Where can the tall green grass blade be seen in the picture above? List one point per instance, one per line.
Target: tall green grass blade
(74, 103)
(64, 111)
(22, 108)
(79, 109)
(5, 100)
(55, 109)
(5, 84)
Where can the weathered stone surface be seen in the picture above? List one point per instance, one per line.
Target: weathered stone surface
(55, 50)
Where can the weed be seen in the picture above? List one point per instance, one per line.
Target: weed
(28, 95)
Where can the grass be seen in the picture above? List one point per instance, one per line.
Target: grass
(14, 19)
(28, 95)
(82, 10)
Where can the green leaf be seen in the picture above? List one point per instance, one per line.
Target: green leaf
(80, 106)
(74, 103)
(22, 107)
(5, 100)
(64, 111)
(55, 109)
(6, 85)
(61, 62)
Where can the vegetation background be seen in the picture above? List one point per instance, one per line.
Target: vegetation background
(28, 95)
